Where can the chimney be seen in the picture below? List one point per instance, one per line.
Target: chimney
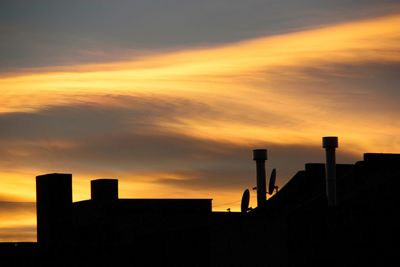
(54, 208)
(330, 143)
(104, 190)
(260, 156)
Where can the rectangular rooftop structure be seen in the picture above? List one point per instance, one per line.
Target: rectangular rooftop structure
(104, 189)
(53, 207)
(381, 157)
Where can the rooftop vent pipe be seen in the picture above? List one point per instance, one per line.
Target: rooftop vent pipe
(260, 156)
(330, 143)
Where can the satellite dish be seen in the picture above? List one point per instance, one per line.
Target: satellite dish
(271, 186)
(245, 201)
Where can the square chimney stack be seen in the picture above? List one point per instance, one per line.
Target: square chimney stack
(104, 190)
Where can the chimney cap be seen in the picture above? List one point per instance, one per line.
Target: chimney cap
(260, 154)
(330, 142)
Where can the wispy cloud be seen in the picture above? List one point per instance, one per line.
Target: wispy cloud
(264, 77)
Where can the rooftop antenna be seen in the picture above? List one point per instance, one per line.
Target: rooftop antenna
(272, 185)
(245, 201)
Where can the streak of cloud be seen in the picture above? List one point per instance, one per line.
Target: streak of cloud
(57, 33)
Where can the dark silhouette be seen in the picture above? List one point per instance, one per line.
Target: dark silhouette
(298, 226)
(260, 156)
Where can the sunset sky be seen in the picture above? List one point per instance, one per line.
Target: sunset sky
(171, 96)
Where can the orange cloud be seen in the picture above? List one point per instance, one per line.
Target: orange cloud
(194, 71)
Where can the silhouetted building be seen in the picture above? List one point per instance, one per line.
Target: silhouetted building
(295, 227)
(108, 230)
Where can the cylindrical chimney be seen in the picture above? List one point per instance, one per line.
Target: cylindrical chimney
(330, 143)
(260, 156)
